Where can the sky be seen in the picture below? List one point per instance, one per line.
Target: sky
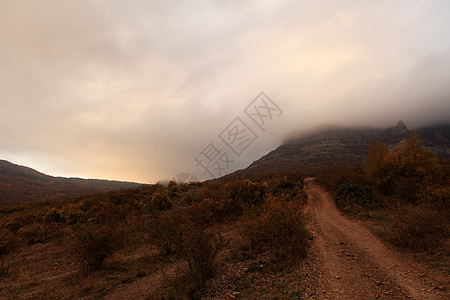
(136, 90)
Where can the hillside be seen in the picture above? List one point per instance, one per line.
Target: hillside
(134, 244)
(344, 147)
(19, 184)
(345, 234)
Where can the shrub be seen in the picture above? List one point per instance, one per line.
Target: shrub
(246, 191)
(159, 200)
(332, 177)
(278, 227)
(53, 215)
(197, 251)
(419, 229)
(287, 185)
(36, 233)
(108, 213)
(165, 232)
(14, 225)
(5, 269)
(350, 194)
(8, 242)
(92, 245)
(202, 212)
(408, 165)
(182, 194)
(221, 210)
(215, 190)
(75, 216)
(226, 209)
(435, 196)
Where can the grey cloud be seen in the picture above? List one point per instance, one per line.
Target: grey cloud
(134, 89)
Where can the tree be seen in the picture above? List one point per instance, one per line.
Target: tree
(380, 167)
(417, 161)
(403, 168)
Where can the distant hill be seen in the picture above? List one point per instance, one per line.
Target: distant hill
(19, 184)
(343, 146)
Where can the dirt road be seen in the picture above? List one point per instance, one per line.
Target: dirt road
(349, 262)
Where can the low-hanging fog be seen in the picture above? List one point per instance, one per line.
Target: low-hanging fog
(133, 90)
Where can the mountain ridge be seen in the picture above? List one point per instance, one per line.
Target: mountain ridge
(344, 146)
(21, 184)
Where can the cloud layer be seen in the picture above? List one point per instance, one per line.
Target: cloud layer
(132, 90)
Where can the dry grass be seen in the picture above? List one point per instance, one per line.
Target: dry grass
(112, 240)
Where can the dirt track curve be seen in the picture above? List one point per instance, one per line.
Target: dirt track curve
(348, 262)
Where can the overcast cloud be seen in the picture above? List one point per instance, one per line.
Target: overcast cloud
(132, 90)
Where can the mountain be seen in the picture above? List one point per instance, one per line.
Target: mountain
(437, 138)
(344, 146)
(19, 184)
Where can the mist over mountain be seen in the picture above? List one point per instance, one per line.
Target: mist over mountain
(133, 90)
(331, 145)
(234, 142)
(345, 146)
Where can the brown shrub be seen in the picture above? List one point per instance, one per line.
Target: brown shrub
(402, 170)
(8, 242)
(5, 268)
(203, 212)
(332, 177)
(91, 245)
(36, 233)
(436, 196)
(210, 211)
(419, 229)
(214, 190)
(197, 251)
(246, 191)
(74, 216)
(165, 231)
(350, 196)
(159, 200)
(54, 215)
(184, 233)
(287, 182)
(278, 227)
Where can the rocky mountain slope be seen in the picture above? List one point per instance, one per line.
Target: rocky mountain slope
(19, 184)
(345, 146)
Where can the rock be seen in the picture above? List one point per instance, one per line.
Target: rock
(236, 294)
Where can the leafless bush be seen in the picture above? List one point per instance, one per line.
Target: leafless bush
(196, 251)
(91, 245)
